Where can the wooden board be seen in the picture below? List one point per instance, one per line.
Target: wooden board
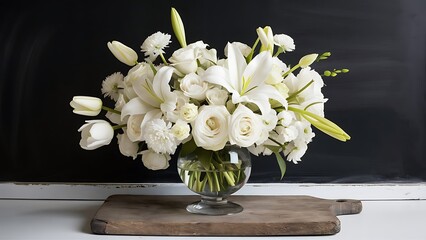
(262, 215)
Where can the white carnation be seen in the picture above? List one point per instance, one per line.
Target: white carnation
(112, 84)
(159, 137)
(154, 45)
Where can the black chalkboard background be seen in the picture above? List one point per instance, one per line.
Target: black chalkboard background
(53, 50)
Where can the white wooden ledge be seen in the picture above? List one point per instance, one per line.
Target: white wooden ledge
(42, 211)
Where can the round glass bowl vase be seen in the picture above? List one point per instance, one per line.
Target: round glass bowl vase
(215, 175)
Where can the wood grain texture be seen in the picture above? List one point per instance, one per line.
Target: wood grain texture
(262, 215)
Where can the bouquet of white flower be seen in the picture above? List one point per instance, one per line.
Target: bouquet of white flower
(250, 99)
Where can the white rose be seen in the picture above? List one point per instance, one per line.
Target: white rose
(155, 161)
(95, 134)
(126, 146)
(134, 130)
(188, 112)
(210, 129)
(208, 57)
(193, 87)
(184, 60)
(245, 127)
(216, 96)
(181, 130)
(87, 106)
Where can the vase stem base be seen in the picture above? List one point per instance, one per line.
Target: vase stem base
(214, 207)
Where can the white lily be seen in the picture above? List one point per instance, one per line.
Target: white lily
(157, 92)
(246, 82)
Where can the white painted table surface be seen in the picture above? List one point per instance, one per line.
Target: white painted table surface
(38, 211)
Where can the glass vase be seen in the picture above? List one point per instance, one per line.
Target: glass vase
(215, 175)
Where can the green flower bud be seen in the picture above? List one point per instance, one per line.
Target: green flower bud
(307, 60)
(178, 27)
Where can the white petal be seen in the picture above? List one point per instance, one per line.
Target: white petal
(220, 76)
(236, 65)
(143, 88)
(135, 106)
(258, 69)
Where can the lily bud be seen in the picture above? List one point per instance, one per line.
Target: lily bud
(178, 27)
(87, 106)
(266, 38)
(307, 60)
(123, 53)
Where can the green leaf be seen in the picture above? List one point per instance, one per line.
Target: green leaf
(188, 148)
(281, 163)
(273, 148)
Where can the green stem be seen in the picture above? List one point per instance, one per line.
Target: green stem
(279, 51)
(164, 60)
(275, 141)
(289, 98)
(291, 70)
(119, 126)
(250, 56)
(110, 110)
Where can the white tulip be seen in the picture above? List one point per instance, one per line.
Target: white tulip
(155, 161)
(95, 134)
(193, 87)
(87, 106)
(216, 96)
(126, 146)
(245, 127)
(210, 129)
(189, 112)
(123, 53)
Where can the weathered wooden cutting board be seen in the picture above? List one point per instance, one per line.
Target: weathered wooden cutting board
(262, 215)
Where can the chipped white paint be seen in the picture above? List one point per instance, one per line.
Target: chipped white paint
(73, 191)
